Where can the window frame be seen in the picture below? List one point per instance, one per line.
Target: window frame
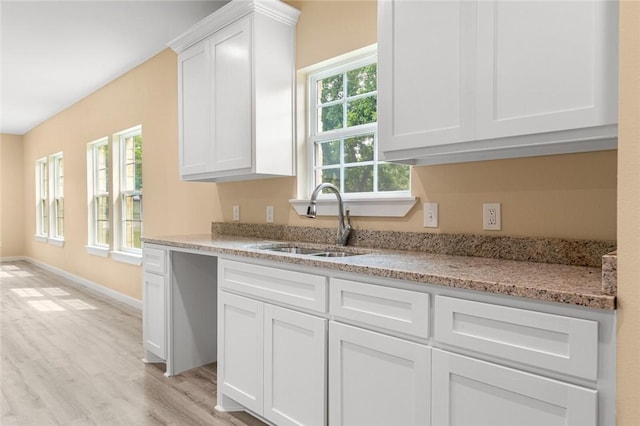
(93, 245)
(42, 199)
(56, 189)
(373, 204)
(122, 251)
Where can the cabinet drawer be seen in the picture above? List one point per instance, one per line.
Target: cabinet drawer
(553, 342)
(154, 260)
(295, 289)
(393, 309)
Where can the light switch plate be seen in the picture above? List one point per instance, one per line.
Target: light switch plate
(430, 215)
(269, 214)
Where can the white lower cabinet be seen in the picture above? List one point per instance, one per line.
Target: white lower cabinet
(375, 379)
(154, 324)
(470, 392)
(272, 360)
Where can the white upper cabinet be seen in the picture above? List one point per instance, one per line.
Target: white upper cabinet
(235, 92)
(464, 80)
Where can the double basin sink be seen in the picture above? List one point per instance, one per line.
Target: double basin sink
(310, 251)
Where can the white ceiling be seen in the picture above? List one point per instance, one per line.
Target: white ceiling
(54, 53)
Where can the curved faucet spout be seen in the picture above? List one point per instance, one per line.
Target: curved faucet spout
(344, 229)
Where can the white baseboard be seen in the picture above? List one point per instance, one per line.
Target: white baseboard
(127, 300)
(12, 258)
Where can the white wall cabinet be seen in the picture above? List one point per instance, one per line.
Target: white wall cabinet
(469, 392)
(155, 284)
(464, 81)
(375, 379)
(271, 360)
(235, 93)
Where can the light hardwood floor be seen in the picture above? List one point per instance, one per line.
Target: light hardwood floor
(70, 356)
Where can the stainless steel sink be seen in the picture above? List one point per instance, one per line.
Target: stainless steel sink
(307, 251)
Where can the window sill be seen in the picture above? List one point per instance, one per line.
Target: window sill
(97, 250)
(383, 206)
(41, 238)
(126, 257)
(58, 242)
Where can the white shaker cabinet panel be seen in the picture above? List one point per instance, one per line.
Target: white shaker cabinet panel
(376, 379)
(295, 367)
(195, 154)
(231, 71)
(426, 63)
(154, 322)
(469, 392)
(545, 66)
(241, 372)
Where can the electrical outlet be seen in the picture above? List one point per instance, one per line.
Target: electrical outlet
(430, 215)
(236, 213)
(491, 217)
(269, 214)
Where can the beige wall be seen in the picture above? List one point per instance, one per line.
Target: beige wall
(628, 377)
(11, 196)
(147, 95)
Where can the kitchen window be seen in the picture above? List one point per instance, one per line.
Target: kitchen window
(99, 218)
(127, 186)
(344, 131)
(341, 114)
(57, 174)
(42, 199)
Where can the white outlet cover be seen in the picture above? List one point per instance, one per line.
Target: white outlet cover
(430, 215)
(236, 213)
(269, 214)
(491, 217)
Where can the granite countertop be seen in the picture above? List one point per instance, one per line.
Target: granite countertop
(576, 285)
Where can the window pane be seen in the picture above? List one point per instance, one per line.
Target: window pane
(133, 230)
(102, 233)
(138, 177)
(362, 80)
(102, 157)
(44, 221)
(330, 89)
(328, 175)
(130, 174)
(393, 177)
(327, 153)
(330, 118)
(358, 179)
(102, 208)
(102, 181)
(60, 174)
(362, 111)
(358, 149)
(60, 227)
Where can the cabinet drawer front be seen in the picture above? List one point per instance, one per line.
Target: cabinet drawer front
(393, 309)
(154, 260)
(553, 342)
(291, 288)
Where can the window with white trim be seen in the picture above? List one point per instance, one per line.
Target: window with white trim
(130, 189)
(57, 174)
(98, 182)
(343, 131)
(42, 197)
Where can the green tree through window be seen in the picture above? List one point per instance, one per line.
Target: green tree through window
(344, 132)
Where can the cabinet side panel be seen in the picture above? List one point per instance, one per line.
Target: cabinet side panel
(274, 81)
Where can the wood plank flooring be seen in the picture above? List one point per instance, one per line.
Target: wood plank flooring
(70, 356)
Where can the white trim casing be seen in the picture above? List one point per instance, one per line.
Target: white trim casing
(126, 257)
(54, 241)
(392, 206)
(97, 250)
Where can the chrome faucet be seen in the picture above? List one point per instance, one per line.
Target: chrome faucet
(344, 229)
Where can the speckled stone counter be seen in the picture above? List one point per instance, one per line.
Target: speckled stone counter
(577, 285)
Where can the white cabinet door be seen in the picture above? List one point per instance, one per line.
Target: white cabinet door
(240, 355)
(376, 379)
(295, 367)
(545, 66)
(193, 91)
(154, 322)
(231, 97)
(426, 64)
(469, 392)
